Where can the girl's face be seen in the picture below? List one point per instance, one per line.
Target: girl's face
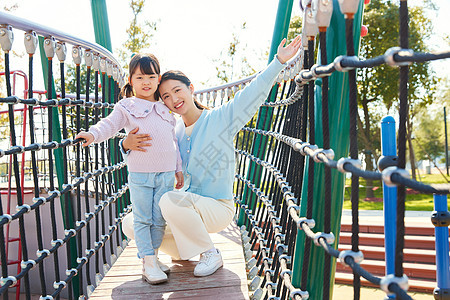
(144, 85)
(177, 96)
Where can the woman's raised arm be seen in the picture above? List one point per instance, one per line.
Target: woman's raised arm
(237, 112)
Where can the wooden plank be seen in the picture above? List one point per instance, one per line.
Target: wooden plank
(175, 267)
(185, 267)
(177, 282)
(124, 280)
(210, 293)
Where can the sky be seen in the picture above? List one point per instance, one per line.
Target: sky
(191, 34)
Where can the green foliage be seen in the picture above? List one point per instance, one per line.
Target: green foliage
(295, 28)
(138, 39)
(444, 98)
(10, 7)
(231, 63)
(378, 87)
(414, 201)
(71, 80)
(429, 137)
(381, 83)
(139, 34)
(4, 122)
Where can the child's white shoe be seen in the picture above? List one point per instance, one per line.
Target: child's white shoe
(165, 268)
(151, 271)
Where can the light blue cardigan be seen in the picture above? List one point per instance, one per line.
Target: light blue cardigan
(208, 154)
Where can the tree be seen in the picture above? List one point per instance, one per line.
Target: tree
(429, 137)
(8, 7)
(295, 28)
(444, 101)
(71, 82)
(378, 86)
(139, 35)
(228, 66)
(444, 97)
(138, 39)
(4, 118)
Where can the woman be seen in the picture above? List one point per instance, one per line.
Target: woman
(205, 138)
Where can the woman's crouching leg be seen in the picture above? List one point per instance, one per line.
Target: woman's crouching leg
(189, 231)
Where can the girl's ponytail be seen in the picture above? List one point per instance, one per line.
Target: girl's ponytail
(127, 91)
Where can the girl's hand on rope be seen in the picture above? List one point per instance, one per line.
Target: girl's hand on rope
(88, 138)
(286, 53)
(180, 180)
(135, 141)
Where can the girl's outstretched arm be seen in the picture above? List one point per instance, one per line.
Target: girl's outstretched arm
(107, 127)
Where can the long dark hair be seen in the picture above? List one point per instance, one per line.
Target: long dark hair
(147, 63)
(178, 75)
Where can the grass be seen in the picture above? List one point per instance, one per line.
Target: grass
(414, 200)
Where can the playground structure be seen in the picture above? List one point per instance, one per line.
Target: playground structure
(284, 178)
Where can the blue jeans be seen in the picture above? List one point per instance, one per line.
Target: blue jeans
(146, 190)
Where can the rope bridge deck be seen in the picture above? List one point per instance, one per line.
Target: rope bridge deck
(124, 279)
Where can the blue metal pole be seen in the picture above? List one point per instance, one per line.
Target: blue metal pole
(442, 247)
(389, 148)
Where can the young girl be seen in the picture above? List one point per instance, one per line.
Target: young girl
(151, 170)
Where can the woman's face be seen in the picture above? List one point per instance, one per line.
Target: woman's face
(177, 96)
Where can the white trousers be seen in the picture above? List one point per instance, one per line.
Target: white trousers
(190, 219)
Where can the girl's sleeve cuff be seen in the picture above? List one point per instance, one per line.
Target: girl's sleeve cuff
(122, 150)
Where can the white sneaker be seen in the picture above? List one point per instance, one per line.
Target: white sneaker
(151, 271)
(209, 263)
(165, 268)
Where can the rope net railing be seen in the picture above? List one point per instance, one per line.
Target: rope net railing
(275, 171)
(69, 202)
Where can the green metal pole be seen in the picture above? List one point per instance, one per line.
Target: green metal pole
(339, 134)
(101, 24)
(265, 113)
(103, 37)
(59, 164)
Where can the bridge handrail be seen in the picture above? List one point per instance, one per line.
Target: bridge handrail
(291, 70)
(27, 26)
